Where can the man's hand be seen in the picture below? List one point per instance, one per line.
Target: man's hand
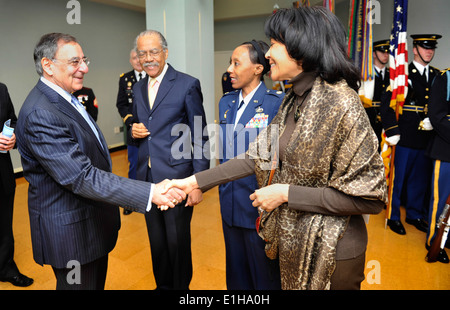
(194, 198)
(139, 131)
(167, 198)
(7, 144)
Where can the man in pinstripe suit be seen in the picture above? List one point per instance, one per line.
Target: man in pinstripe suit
(73, 196)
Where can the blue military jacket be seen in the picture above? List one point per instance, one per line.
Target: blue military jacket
(236, 206)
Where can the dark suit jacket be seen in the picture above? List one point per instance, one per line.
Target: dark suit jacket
(177, 108)
(439, 113)
(236, 206)
(72, 196)
(7, 180)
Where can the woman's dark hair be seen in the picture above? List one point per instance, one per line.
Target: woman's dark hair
(315, 37)
(257, 51)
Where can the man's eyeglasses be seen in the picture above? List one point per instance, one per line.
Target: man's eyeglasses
(75, 62)
(153, 53)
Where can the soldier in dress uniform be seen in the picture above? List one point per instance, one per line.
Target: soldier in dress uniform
(371, 90)
(411, 134)
(243, 113)
(87, 98)
(439, 152)
(226, 83)
(125, 106)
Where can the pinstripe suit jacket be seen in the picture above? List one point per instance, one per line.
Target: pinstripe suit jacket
(73, 196)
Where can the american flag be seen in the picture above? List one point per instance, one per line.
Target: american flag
(398, 73)
(329, 4)
(398, 59)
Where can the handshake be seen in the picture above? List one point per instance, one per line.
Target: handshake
(266, 198)
(168, 193)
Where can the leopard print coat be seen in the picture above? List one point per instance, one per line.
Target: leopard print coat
(332, 146)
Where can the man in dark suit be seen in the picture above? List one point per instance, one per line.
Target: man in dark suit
(411, 134)
(125, 106)
(72, 196)
(8, 268)
(168, 106)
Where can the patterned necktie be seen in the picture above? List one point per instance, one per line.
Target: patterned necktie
(152, 92)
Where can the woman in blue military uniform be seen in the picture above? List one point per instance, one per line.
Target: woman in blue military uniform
(243, 113)
(439, 152)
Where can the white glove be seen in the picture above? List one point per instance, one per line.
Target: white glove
(393, 140)
(427, 124)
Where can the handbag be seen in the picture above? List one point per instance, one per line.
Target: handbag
(266, 223)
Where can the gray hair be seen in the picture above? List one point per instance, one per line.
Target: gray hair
(48, 46)
(162, 40)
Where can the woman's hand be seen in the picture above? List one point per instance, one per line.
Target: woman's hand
(187, 185)
(194, 198)
(270, 197)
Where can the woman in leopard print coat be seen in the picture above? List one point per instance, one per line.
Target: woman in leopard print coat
(328, 171)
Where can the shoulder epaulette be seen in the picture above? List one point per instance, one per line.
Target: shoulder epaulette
(438, 70)
(274, 92)
(231, 92)
(444, 71)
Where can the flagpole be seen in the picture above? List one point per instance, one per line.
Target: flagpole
(398, 91)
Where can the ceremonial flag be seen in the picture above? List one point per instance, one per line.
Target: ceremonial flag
(398, 74)
(296, 4)
(329, 4)
(398, 58)
(360, 37)
(386, 152)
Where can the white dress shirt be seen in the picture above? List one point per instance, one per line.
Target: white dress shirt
(246, 101)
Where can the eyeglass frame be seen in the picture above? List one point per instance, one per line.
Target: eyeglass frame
(72, 61)
(153, 53)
